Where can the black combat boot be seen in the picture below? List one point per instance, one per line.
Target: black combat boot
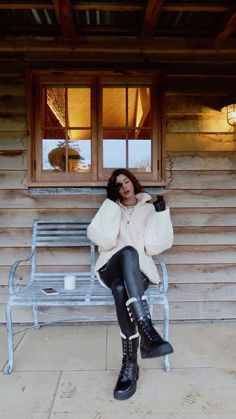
(152, 345)
(129, 373)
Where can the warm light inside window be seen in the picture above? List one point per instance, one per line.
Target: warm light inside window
(127, 127)
(231, 114)
(66, 129)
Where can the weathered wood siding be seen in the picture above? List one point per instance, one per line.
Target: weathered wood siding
(201, 191)
(201, 172)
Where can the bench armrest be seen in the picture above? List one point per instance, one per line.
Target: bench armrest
(11, 286)
(164, 280)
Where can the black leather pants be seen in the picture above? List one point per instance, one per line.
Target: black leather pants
(123, 276)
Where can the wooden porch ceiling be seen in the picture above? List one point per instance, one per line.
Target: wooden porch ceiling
(165, 29)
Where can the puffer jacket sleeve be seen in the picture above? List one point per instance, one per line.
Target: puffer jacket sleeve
(158, 234)
(104, 227)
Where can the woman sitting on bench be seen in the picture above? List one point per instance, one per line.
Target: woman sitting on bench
(128, 231)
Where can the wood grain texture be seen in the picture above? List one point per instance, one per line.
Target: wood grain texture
(178, 274)
(204, 235)
(180, 216)
(195, 198)
(202, 179)
(200, 141)
(14, 140)
(186, 292)
(16, 179)
(182, 123)
(13, 160)
(21, 236)
(194, 254)
(201, 160)
(202, 273)
(204, 217)
(203, 310)
(23, 199)
(202, 292)
(192, 104)
(12, 86)
(19, 198)
(176, 255)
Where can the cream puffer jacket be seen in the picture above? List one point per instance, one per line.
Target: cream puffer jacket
(148, 231)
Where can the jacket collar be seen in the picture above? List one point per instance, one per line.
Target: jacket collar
(142, 197)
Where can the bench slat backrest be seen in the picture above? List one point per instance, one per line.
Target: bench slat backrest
(61, 233)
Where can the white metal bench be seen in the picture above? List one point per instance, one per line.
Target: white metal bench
(59, 233)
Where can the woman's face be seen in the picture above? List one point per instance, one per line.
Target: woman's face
(126, 191)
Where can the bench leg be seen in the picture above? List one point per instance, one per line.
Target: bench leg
(151, 307)
(10, 343)
(166, 334)
(35, 317)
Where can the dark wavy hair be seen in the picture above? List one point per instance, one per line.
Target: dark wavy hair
(137, 186)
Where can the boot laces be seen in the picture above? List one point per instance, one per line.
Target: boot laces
(149, 330)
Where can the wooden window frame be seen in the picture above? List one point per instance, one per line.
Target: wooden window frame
(98, 175)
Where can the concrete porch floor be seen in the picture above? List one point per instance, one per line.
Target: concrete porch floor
(69, 371)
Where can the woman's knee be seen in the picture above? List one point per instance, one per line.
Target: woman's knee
(119, 290)
(129, 252)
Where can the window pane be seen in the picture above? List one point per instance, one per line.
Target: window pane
(79, 107)
(79, 134)
(114, 153)
(139, 107)
(54, 155)
(79, 156)
(54, 107)
(140, 155)
(114, 107)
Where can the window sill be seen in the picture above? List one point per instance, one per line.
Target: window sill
(83, 191)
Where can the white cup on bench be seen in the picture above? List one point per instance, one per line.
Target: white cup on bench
(69, 282)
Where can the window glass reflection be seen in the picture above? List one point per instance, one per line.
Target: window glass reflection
(54, 155)
(114, 153)
(54, 108)
(79, 107)
(139, 152)
(79, 134)
(114, 107)
(139, 107)
(79, 156)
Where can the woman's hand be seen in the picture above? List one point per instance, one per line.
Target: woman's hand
(113, 190)
(159, 204)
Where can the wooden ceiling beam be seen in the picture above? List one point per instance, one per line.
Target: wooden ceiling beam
(5, 5)
(228, 28)
(152, 14)
(108, 6)
(195, 7)
(78, 5)
(65, 18)
(118, 7)
(164, 45)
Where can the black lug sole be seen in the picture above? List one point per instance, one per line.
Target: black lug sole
(160, 350)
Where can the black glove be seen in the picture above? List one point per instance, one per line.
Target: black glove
(113, 190)
(159, 204)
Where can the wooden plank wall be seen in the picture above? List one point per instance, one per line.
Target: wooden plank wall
(201, 192)
(201, 168)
